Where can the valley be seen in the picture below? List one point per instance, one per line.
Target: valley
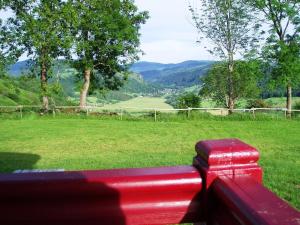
(149, 81)
(149, 85)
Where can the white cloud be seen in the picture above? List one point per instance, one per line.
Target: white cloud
(169, 35)
(173, 51)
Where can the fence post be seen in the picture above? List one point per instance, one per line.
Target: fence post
(285, 113)
(253, 112)
(189, 111)
(155, 115)
(53, 111)
(121, 114)
(231, 174)
(21, 111)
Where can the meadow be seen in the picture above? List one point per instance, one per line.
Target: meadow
(79, 144)
(140, 102)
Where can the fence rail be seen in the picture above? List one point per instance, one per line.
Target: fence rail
(224, 186)
(155, 110)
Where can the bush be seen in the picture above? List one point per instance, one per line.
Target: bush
(188, 100)
(297, 105)
(257, 103)
(13, 96)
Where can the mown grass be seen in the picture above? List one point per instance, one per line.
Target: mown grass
(80, 143)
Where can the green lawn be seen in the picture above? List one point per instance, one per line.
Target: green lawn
(77, 144)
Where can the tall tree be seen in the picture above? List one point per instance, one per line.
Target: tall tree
(3, 50)
(8, 53)
(39, 30)
(245, 78)
(282, 49)
(227, 25)
(106, 40)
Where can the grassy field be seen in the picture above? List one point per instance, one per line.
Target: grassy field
(242, 103)
(281, 102)
(140, 102)
(77, 144)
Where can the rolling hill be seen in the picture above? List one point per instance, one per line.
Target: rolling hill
(183, 74)
(147, 79)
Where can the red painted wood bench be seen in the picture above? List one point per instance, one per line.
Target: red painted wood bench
(223, 187)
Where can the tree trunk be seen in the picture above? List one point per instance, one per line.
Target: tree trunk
(231, 101)
(231, 104)
(85, 88)
(289, 101)
(44, 88)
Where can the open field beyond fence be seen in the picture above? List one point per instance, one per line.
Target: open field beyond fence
(77, 144)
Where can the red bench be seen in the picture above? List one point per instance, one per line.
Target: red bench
(222, 187)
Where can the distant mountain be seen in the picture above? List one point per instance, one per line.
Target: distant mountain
(24, 67)
(146, 66)
(66, 76)
(18, 68)
(183, 74)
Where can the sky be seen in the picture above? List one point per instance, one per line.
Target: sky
(169, 35)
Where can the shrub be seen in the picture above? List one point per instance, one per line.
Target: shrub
(297, 105)
(257, 103)
(188, 100)
(13, 96)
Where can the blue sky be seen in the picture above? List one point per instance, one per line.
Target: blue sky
(169, 35)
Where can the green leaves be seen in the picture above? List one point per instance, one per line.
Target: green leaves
(230, 26)
(106, 38)
(226, 24)
(282, 50)
(9, 52)
(188, 100)
(245, 82)
(38, 29)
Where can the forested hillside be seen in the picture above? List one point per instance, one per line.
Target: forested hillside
(183, 74)
(21, 87)
(26, 91)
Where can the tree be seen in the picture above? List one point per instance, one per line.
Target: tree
(3, 58)
(227, 24)
(244, 79)
(8, 53)
(282, 49)
(106, 40)
(188, 100)
(39, 30)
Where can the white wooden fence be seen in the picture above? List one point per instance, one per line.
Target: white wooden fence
(120, 111)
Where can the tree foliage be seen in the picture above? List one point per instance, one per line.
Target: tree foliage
(245, 78)
(106, 40)
(188, 100)
(228, 25)
(286, 64)
(282, 46)
(9, 53)
(39, 30)
(282, 49)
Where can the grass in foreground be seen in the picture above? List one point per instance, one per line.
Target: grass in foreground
(77, 144)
